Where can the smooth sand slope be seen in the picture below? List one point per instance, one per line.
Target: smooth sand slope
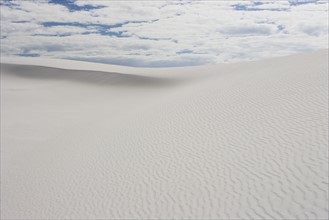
(236, 141)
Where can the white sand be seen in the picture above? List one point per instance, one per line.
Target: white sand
(235, 141)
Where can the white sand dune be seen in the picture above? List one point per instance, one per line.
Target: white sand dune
(235, 141)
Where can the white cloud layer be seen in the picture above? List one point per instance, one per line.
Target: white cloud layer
(162, 33)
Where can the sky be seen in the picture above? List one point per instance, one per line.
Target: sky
(162, 33)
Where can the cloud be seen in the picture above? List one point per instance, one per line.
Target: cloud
(162, 33)
(314, 30)
(247, 30)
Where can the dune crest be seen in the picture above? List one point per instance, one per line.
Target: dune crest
(236, 141)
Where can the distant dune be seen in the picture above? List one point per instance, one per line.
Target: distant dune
(233, 141)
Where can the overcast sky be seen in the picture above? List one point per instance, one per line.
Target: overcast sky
(162, 33)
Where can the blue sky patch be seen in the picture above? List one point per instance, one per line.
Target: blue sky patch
(7, 3)
(185, 51)
(71, 6)
(302, 2)
(102, 29)
(244, 7)
(280, 27)
(28, 54)
(52, 35)
(76, 24)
